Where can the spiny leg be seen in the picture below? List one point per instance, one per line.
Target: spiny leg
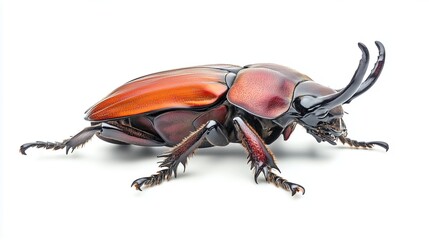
(210, 131)
(111, 131)
(360, 144)
(285, 184)
(76, 141)
(261, 158)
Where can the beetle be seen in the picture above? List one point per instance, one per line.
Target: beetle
(214, 105)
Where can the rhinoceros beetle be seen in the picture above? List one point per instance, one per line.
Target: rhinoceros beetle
(214, 105)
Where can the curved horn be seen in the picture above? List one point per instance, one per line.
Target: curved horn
(375, 72)
(320, 106)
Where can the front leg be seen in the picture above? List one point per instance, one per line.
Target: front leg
(261, 158)
(360, 144)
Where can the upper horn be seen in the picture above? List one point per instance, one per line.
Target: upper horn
(375, 72)
(320, 106)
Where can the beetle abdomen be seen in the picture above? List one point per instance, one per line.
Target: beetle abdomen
(174, 126)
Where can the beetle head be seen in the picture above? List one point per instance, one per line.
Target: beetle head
(328, 127)
(323, 124)
(319, 108)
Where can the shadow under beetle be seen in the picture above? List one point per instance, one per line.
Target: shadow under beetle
(214, 105)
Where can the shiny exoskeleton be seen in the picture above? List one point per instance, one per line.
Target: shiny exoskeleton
(214, 105)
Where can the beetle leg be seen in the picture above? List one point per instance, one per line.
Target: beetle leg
(117, 132)
(261, 158)
(358, 144)
(288, 131)
(211, 131)
(77, 140)
(110, 132)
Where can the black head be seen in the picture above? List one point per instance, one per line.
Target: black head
(320, 108)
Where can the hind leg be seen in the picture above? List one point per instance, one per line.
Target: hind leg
(118, 133)
(76, 141)
(110, 131)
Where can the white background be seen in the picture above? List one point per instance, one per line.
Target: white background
(60, 57)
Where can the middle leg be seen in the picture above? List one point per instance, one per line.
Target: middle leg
(211, 131)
